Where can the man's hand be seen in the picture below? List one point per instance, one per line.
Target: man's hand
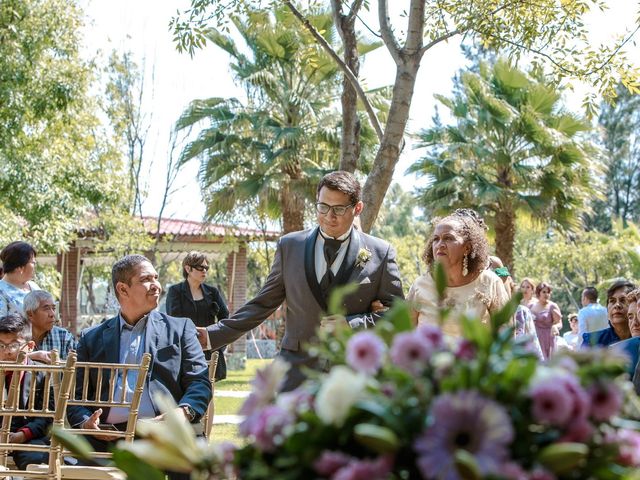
(377, 306)
(93, 423)
(202, 336)
(41, 356)
(178, 410)
(17, 437)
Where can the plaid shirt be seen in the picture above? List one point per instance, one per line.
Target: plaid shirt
(60, 339)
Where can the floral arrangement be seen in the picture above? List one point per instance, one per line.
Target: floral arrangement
(364, 254)
(405, 403)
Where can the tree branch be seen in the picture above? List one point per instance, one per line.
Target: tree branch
(387, 33)
(415, 28)
(434, 42)
(345, 69)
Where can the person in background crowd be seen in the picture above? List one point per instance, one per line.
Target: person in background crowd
(15, 336)
(198, 301)
(528, 289)
(459, 243)
(592, 316)
(523, 319)
(617, 306)
(19, 264)
(630, 346)
(545, 314)
(40, 309)
(572, 337)
(558, 343)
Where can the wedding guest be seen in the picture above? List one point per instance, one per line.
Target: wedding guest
(40, 310)
(528, 288)
(572, 337)
(308, 267)
(198, 301)
(617, 306)
(523, 319)
(459, 243)
(592, 316)
(19, 264)
(545, 314)
(630, 347)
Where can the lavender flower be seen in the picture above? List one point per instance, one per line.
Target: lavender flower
(267, 427)
(468, 421)
(606, 400)
(432, 334)
(265, 386)
(377, 469)
(330, 462)
(465, 350)
(410, 351)
(365, 352)
(552, 402)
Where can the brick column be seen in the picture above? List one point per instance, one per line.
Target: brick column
(69, 265)
(237, 295)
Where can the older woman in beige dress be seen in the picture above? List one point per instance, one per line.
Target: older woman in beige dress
(458, 242)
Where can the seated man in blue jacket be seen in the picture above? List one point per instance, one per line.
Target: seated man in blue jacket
(178, 367)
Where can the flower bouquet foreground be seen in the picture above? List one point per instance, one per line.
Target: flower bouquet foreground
(405, 403)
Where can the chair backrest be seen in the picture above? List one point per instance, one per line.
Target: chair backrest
(95, 387)
(207, 418)
(34, 399)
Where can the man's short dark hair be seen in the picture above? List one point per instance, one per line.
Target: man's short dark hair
(617, 285)
(591, 294)
(123, 269)
(343, 182)
(16, 323)
(16, 255)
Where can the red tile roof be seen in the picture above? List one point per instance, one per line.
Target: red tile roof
(172, 226)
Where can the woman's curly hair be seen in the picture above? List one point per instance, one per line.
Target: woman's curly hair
(474, 233)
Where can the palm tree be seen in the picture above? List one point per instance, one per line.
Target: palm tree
(276, 146)
(511, 149)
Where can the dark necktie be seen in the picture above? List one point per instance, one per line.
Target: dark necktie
(330, 250)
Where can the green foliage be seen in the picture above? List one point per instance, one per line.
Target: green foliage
(511, 148)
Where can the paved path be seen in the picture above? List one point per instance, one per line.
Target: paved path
(229, 419)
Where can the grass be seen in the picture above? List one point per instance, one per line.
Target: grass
(237, 381)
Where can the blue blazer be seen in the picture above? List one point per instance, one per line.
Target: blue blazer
(177, 368)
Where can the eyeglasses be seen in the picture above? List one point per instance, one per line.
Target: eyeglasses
(201, 268)
(338, 210)
(12, 347)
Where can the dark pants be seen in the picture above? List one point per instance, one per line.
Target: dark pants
(22, 459)
(100, 445)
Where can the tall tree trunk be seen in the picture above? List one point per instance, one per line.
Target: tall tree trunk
(293, 207)
(388, 155)
(350, 148)
(505, 226)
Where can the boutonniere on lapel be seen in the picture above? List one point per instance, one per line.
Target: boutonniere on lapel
(364, 254)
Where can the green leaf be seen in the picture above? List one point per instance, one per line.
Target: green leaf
(466, 465)
(76, 444)
(563, 457)
(134, 467)
(379, 439)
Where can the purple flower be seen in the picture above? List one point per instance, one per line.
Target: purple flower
(465, 350)
(579, 430)
(330, 462)
(267, 427)
(468, 421)
(628, 447)
(513, 471)
(606, 400)
(377, 469)
(295, 401)
(432, 334)
(410, 351)
(551, 401)
(265, 386)
(365, 352)
(580, 398)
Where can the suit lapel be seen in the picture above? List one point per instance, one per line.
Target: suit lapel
(111, 341)
(349, 261)
(310, 268)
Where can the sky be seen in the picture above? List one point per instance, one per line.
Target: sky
(173, 79)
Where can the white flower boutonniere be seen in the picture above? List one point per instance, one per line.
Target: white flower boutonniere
(364, 254)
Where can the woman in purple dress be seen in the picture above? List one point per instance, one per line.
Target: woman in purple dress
(545, 314)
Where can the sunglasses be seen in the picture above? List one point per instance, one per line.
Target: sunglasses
(201, 268)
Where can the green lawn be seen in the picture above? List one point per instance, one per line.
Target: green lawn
(235, 381)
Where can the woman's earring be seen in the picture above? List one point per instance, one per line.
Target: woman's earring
(465, 265)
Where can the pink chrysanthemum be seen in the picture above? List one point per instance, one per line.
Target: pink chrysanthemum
(551, 402)
(513, 471)
(365, 352)
(330, 462)
(581, 402)
(267, 426)
(432, 334)
(377, 469)
(628, 447)
(468, 421)
(578, 430)
(606, 400)
(410, 351)
(465, 350)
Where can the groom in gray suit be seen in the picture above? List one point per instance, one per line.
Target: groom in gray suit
(308, 265)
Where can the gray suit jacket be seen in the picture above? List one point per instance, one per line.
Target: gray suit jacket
(293, 278)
